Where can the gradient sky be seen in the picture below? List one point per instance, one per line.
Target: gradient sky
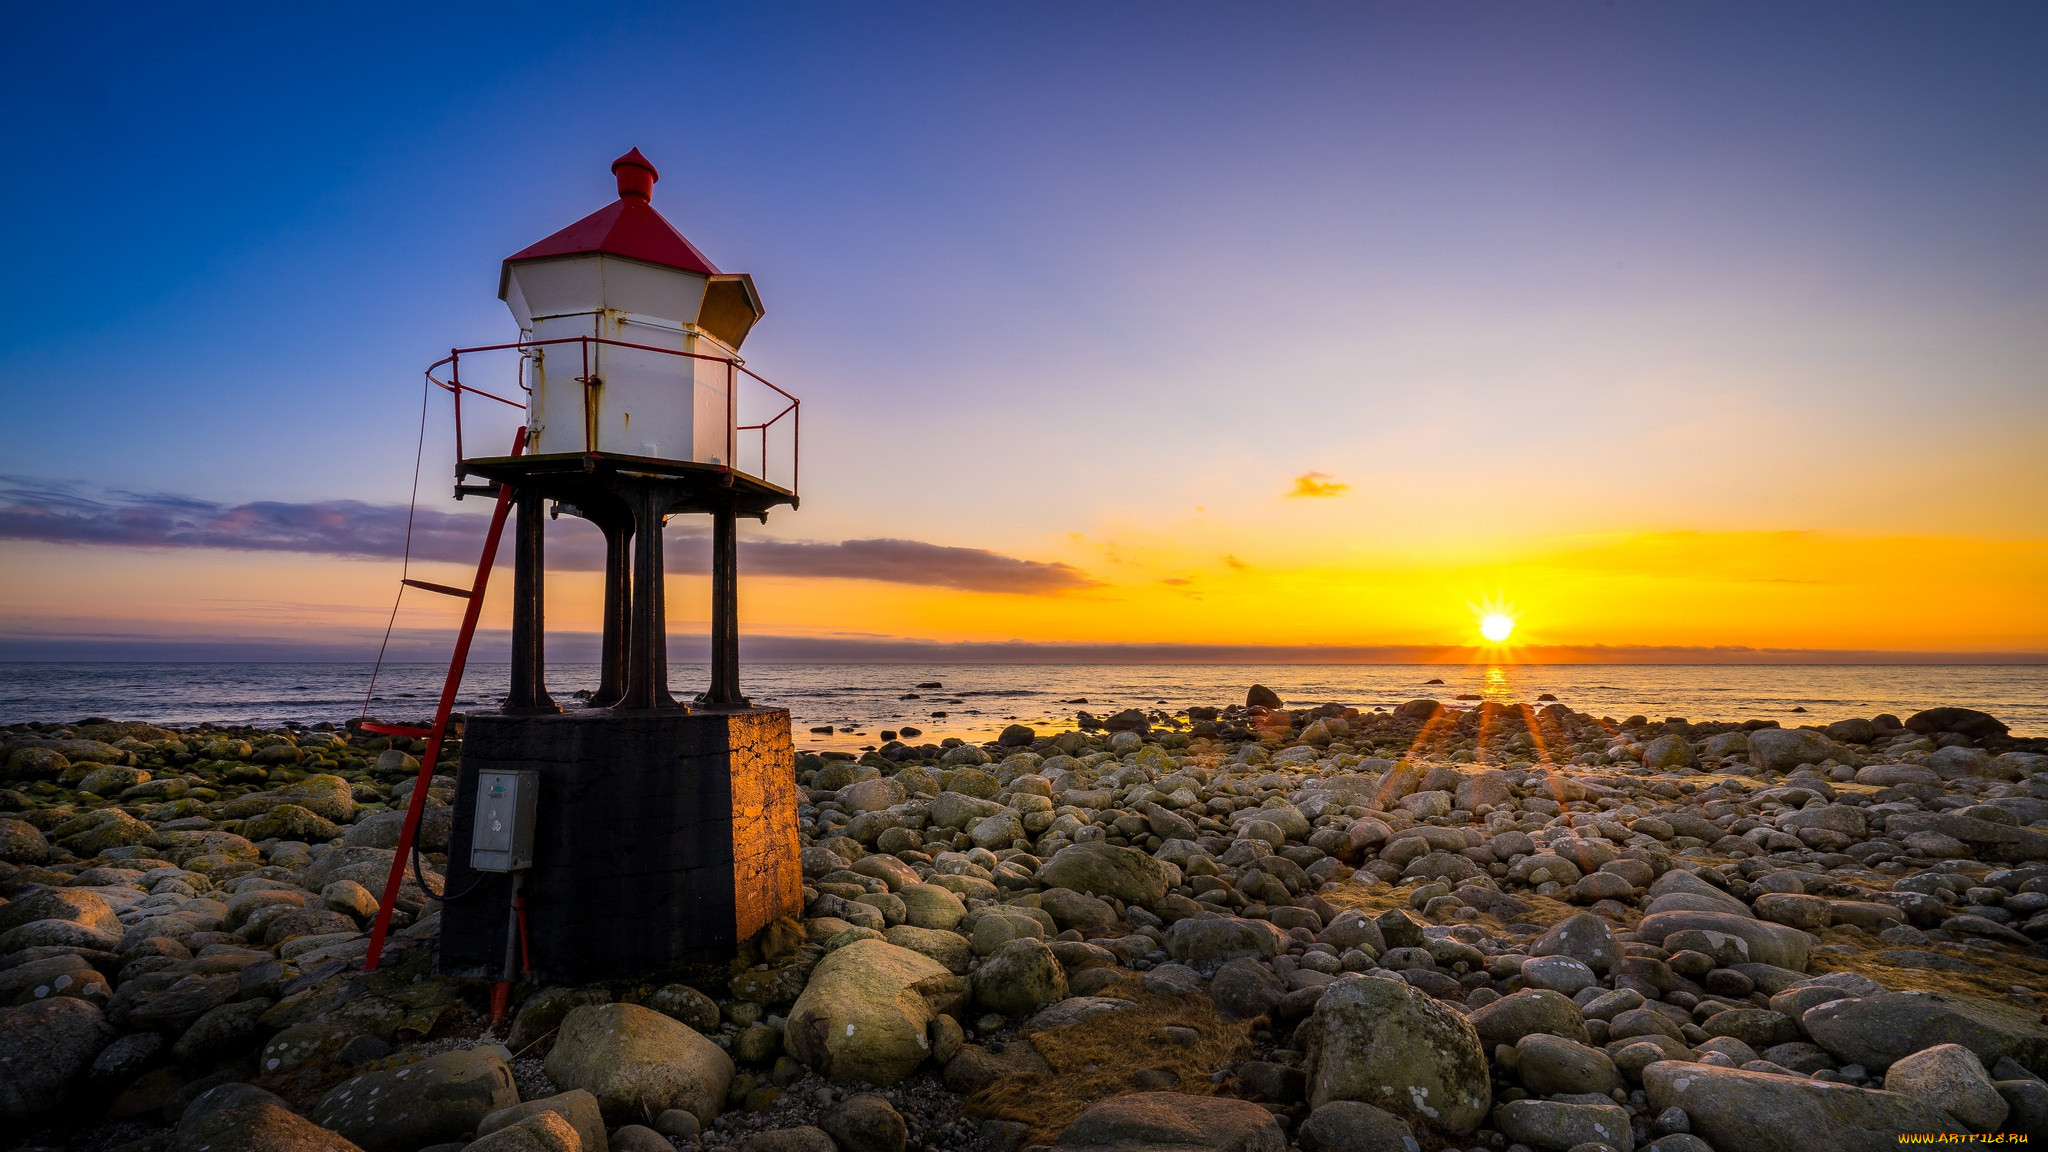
(1676, 324)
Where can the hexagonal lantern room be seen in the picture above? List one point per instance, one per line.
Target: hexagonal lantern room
(664, 834)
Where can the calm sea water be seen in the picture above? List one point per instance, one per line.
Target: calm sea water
(978, 699)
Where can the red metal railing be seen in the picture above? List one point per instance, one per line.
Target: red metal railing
(735, 371)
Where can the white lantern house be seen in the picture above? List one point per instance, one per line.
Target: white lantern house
(625, 275)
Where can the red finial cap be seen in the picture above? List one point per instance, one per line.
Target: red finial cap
(636, 176)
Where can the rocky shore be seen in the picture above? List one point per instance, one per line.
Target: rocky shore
(1240, 929)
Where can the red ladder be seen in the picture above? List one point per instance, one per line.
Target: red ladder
(434, 736)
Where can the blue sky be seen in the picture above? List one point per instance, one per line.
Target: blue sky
(1082, 282)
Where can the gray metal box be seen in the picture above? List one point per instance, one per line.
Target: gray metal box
(502, 840)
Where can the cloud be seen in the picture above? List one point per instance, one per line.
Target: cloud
(61, 514)
(1317, 485)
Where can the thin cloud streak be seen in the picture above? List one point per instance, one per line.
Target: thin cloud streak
(60, 514)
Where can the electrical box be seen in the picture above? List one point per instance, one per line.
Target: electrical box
(505, 806)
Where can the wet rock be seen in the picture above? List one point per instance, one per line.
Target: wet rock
(440, 1098)
(1762, 1112)
(1876, 1031)
(1950, 1077)
(1351, 1126)
(1384, 1043)
(45, 1047)
(866, 1013)
(578, 1107)
(639, 1063)
(1171, 1122)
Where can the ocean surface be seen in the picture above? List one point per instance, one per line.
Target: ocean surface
(975, 701)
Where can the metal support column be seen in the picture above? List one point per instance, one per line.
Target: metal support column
(529, 642)
(618, 603)
(647, 648)
(725, 611)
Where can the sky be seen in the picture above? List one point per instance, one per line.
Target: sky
(1685, 330)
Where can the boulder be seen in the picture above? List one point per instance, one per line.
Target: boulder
(1172, 1122)
(245, 1118)
(1350, 1126)
(1549, 1065)
(438, 1099)
(1875, 1031)
(1700, 896)
(45, 1046)
(1783, 749)
(1560, 1125)
(866, 1012)
(1668, 751)
(72, 905)
(1950, 1077)
(1962, 721)
(1533, 1010)
(866, 1123)
(1392, 1046)
(639, 1063)
(1764, 1112)
(577, 1106)
(1766, 943)
(1019, 977)
(930, 906)
(1207, 944)
(535, 1132)
(1103, 869)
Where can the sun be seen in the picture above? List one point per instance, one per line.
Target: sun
(1496, 627)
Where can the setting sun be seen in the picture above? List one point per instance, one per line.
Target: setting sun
(1496, 627)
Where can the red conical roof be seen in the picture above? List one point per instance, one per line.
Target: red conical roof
(628, 226)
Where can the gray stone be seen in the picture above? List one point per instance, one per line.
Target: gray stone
(1783, 749)
(1558, 1126)
(440, 1098)
(1548, 1065)
(1101, 869)
(1951, 1078)
(1172, 1122)
(543, 1131)
(245, 1118)
(1244, 989)
(1772, 944)
(1508, 1019)
(802, 1138)
(1352, 1126)
(866, 1012)
(1389, 1045)
(639, 1063)
(1585, 937)
(576, 1106)
(1762, 1112)
(1875, 1031)
(1022, 975)
(866, 1123)
(45, 1046)
(1560, 974)
(1207, 944)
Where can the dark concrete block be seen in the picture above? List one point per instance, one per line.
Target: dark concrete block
(662, 841)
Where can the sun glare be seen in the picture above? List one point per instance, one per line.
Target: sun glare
(1496, 627)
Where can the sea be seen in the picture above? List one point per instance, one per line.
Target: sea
(858, 702)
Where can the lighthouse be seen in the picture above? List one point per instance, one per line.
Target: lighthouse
(663, 828)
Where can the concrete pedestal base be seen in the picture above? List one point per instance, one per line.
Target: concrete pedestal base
(663, 840)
